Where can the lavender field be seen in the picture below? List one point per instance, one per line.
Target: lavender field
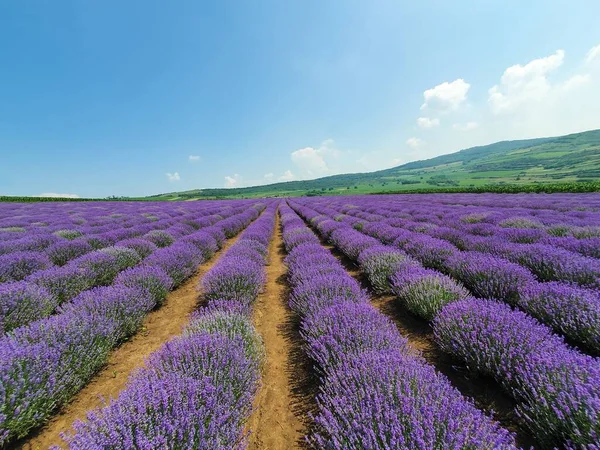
(438, 321)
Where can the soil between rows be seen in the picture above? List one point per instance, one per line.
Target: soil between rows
(160, 325)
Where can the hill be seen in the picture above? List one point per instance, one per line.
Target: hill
(565, 159)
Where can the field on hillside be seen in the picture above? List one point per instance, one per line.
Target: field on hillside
(435, 321)
(564, 162)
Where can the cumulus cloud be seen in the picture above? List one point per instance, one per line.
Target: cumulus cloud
(173, 176)
(57, 195)
(233, 181)
(426, 122)
(313, 162)
(194, 158)
(287, 176)
(310, 160)
(521, 85)
(592, 54)
(446, 97)
(414, 143)
(465, 126)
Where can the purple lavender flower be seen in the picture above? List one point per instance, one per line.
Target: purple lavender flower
(556, 387)
(204, 241)
(18, 265)
(179, 260)
(379, 262)
(22, 302)
(234, 278)
(168, 411)
(555, 264)
(570, 310)
(433, 253)
(351, 242)
(424, 291)
(142, 247)
(64, 251)
(123, 305)
(160, 238)
(318, 292)
(347, 329)
(43, 364)
(388, 400)
(488, 276)
(152, 280)
(100, 265)
(65, 282)
(231, 322)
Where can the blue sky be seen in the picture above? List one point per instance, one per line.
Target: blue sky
(142, 97)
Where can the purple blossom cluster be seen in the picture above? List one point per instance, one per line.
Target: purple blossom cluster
(491, 267)
(22, 303)
(425, 292)
(488, 276)
(375, 391)
(570, 310)
(197, 390)
(558, 389)
(239, 275)
(102, 298)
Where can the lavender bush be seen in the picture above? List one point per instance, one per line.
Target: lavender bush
(557, 388)
(22, 302)
(18, 265)
(425, 292)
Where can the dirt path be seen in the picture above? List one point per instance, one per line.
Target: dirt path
(159, 327)
(280, 419)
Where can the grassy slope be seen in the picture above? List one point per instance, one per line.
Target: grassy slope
(571, 158)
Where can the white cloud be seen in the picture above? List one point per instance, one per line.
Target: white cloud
(426, 122)
(415, 143)
(56, 195)
(521, 85)
(233, 181)
(592, 54)
(194, 158)
(311, 162)
(287, 176)
(575, 82)
(173, 176)
(465, 126)
(269, 176)
(446, 97)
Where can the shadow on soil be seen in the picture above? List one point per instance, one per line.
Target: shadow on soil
(303, 380)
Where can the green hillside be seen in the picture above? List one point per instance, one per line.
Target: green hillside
(573, 158)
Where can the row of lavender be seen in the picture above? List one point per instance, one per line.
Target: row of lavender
(43, 364)
(47, 237)
(375, 391)
(571, 310)
(79, 267)
(557, 388)
(566, 258)
(197, 390)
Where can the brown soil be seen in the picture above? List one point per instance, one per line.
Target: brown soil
(280, 416)
(160, 325)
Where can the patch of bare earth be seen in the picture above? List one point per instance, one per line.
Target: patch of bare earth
(280, 417)
(160, 326)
